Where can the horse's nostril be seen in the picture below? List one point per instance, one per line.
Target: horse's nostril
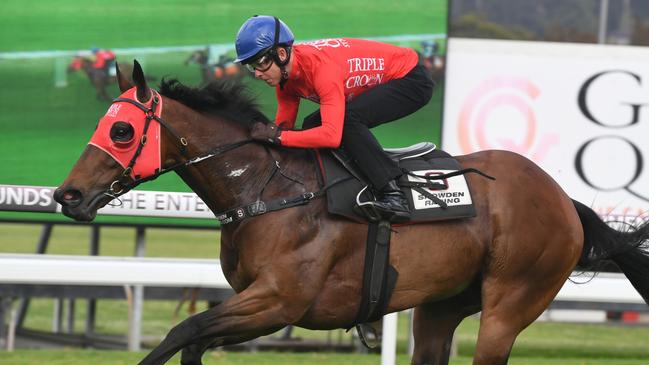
(68, 197)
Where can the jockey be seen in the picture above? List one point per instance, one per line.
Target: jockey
(429, 48)
(359, 84)
(104, 59)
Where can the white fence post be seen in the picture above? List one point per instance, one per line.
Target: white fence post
(389, 342)
(60, 72)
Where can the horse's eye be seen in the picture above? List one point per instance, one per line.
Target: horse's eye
(122, 132)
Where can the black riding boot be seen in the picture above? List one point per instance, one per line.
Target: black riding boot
(392, 203)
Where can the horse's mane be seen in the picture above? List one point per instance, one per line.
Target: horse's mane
(227, 98)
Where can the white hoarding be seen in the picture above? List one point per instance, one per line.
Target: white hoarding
(579, 111)
(133, 203)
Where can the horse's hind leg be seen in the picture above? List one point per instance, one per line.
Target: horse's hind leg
(435, 323)
(508, 308)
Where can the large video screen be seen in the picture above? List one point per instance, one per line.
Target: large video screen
(50, 106)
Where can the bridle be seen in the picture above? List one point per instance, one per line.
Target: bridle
(125, 182)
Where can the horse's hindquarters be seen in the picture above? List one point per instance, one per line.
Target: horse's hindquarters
(536, 241)
(435, 260)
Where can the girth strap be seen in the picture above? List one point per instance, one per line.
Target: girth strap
(260, 207)
(379, 277)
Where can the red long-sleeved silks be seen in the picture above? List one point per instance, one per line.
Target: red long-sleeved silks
(102, 57)
(331, 72)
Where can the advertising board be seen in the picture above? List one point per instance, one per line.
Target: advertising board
(577, 110)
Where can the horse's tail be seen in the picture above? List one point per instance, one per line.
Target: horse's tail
(627, 248)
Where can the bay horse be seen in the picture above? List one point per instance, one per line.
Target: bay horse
(303, 266)
(432, 60)
(224, 67)
(98, 78)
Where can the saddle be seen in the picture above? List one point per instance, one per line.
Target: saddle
(432, 180)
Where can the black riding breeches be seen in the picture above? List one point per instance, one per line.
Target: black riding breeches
(381, 104)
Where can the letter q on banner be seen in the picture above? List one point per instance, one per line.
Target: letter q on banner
(499, 114)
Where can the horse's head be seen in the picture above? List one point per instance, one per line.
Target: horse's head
(133, 143)
(199, 57)
(77, 63)
(124, 150)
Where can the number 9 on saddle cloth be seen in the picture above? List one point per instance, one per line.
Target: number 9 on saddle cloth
(433, 182)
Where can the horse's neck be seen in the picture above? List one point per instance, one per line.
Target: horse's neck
(242, 176)
(88, 69)
(239, 176)
(202, 58)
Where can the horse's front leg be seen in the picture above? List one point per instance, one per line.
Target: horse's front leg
(192, 354)
(102, 94)
(259, 310)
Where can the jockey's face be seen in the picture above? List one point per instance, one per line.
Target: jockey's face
(271, 75)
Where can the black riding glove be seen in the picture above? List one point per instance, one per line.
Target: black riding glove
(268, 133)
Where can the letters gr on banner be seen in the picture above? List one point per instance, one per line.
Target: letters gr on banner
(633, 155)
(579, 111)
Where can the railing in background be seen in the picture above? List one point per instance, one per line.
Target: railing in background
(92, 277)
(61, 57)
(19, 198)
(157, 50)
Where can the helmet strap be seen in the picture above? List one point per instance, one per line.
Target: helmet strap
(276, 44)
(284, 77)
(281, 63)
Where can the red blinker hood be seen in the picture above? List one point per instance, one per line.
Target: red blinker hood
(149, 161)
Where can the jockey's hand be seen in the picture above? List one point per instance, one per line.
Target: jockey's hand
(268, 133)
(284, 125)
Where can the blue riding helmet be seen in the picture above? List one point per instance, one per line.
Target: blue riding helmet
(258, 34)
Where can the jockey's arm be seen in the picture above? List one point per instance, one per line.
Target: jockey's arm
(332, 111)
(287, 108)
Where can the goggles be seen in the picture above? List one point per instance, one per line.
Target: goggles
(261, 64)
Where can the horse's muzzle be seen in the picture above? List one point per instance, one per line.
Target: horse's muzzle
(68, 197)
(71, 200)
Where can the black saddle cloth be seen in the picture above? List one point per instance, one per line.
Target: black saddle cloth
(422, 159)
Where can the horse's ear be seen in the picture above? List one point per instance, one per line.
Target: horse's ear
(143, 91)
(124, 83)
